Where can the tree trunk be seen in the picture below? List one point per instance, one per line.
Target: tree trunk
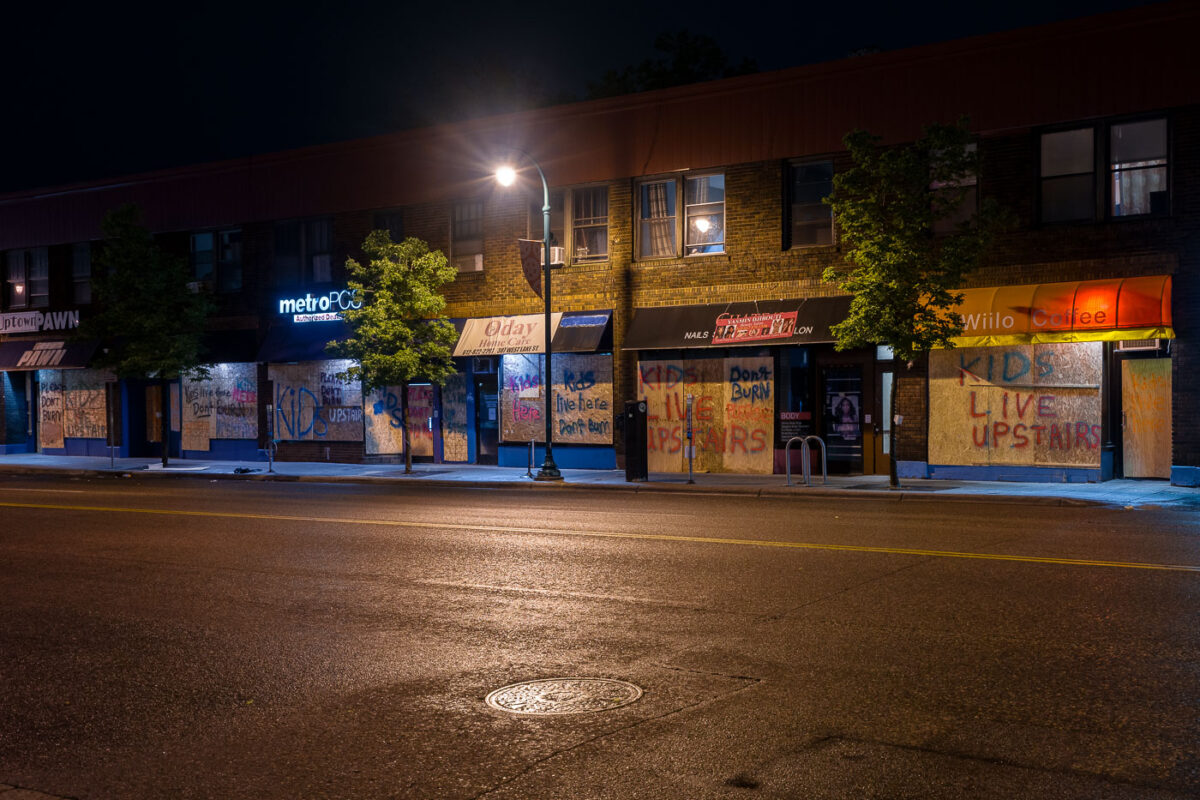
(165, 428)
(404, 431)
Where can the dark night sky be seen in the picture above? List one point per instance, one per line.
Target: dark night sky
(97, 91)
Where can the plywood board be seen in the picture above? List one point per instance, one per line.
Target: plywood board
(1146, 403)
(454, 418)
(383, 424)
(583, 398)
(732, 412)
(52, 409)
(1021, 405)
(313, 404)
(84, 403)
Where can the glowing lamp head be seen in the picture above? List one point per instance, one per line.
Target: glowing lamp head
(702, 225)
(506, 175)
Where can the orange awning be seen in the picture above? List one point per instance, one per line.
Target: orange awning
(1075, 311)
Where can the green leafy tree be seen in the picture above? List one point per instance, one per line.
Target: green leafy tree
(397, 335)
(148, 321)
(684, 58)
(901, 274)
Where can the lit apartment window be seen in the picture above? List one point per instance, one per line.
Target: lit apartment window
(16, 289)
(660, 226)
(27, 283)
(705, 212)
(810, 220)
(1138, 168)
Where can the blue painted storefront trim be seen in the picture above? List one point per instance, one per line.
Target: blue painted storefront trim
(1000, 472)
(912, 469)
(565, 456)
(15, 449)
(228, 450)
(1185, 476)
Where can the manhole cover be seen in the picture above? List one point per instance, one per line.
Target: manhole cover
(564, 696)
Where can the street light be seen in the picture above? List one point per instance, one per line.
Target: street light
(506, 175)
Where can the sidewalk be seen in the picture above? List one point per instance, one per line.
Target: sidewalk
(1125, 493)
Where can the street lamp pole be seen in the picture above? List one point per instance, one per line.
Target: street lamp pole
(506, 175)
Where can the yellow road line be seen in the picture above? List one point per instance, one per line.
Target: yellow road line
(662, 537)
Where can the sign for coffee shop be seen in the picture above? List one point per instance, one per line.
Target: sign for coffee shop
(489, 336)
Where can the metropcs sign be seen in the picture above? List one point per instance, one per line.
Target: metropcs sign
(319, 308)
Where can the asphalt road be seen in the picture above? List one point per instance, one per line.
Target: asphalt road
(196, 639)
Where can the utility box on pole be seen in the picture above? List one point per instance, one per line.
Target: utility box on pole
(636, 440)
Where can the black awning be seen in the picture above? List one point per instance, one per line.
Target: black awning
(301, 341)
(754, 324)
(30, 354)
(582, 332)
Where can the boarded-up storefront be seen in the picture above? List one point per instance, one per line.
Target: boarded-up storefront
(222, 406)
(1029, 405)
(313, 404)
(732, 411)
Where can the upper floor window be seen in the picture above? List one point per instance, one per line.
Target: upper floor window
(1068, 175)
(392, 222)
(27, 283)
(810, 220)
(702, 226)
(466, 236)
(1135, 156)
(589, 223)
(704, 201)
(962, 192)
(657, 219)
(217, 258)
(303, 251)
(1138, 168)
(586, 238)
(81, 273)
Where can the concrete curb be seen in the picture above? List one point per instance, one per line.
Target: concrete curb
(795, 492)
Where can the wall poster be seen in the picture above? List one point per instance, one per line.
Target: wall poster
(582, 398)
(1028, 405)
(313, 404)
(733, 413)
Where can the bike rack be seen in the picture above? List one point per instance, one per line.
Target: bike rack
(805, 458)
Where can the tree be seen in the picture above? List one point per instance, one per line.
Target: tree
(685, 58)
(148, 321)
(397, 335)
(902, 275)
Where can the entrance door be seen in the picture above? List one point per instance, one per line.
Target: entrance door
(487, 419)
(1146, 417)
(880, 424)
(842, 415)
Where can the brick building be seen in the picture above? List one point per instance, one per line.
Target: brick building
(694, 240)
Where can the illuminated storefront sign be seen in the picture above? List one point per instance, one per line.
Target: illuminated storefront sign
(35, 321)
(319, 308)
